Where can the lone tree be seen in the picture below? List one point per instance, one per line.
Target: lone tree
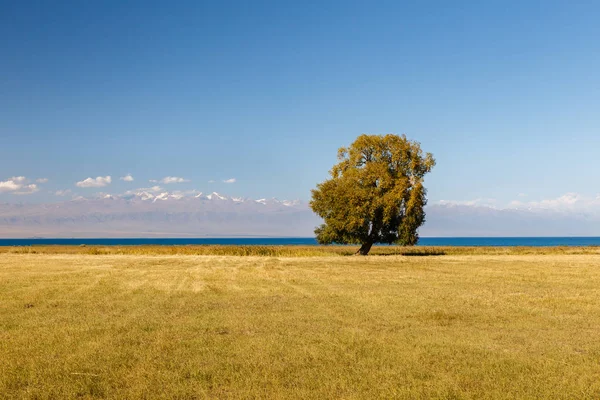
(375, 194)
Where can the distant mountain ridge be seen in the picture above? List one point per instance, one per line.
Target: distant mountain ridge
(146, 213)
(451, 220)
(153, 212)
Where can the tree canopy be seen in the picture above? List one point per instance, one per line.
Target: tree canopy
(375, 193)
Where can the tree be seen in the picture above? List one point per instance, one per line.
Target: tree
(375, 194)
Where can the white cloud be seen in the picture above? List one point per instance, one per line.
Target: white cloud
(127, 178)
(18, 185)
(9, 186)
(211, 181)
(153, 189)
(567, 203)
(62, 192)
(481, 202)
(28, 189)
(170, 179)
(42, 180)
(100, 181)
(231, 180)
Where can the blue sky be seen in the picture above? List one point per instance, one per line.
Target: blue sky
(504, 93)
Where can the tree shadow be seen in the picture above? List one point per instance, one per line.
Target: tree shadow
(415, 253)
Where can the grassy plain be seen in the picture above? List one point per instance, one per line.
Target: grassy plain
(147, 322)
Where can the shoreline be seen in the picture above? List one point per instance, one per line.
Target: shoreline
(297, 250)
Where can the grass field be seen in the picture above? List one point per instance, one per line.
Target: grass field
(294, 251)
(141, 323)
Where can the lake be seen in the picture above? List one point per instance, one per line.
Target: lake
(426, 241)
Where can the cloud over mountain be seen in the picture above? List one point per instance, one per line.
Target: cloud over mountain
(10, 185)
(18, 185)
(27, 189)
(99, 181)
(170, 179)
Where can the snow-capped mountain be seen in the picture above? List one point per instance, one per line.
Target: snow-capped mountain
(153, 196)
(215, 196)
(154, 212)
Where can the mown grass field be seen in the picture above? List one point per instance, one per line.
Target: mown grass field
(144, 323)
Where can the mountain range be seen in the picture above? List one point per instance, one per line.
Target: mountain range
(148, 214)
(152, 213)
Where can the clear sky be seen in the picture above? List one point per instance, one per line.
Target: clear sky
(506, 94)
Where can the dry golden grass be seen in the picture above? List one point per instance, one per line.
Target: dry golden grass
(292, 251)
(182, 326)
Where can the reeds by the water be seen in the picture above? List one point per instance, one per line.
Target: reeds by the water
(293, 251)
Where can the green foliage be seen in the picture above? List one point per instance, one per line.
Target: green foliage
(375, 194)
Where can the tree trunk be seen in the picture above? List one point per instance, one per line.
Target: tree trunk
(364, 249)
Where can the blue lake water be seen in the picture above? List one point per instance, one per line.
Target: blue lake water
(428, 241)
